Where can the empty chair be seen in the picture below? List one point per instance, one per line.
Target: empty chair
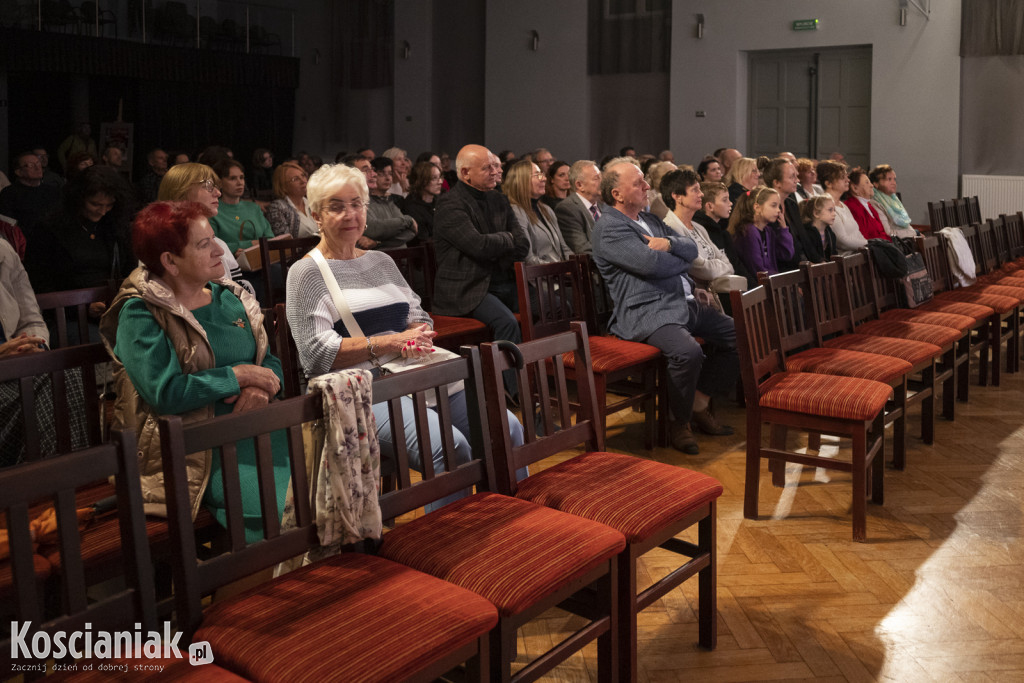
(844, 406)
(649, 502)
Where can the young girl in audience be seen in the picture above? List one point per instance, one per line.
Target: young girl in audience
(760, 240)
(815, 235)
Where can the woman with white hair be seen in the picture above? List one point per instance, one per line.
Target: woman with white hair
(402, 166)
(391, 323)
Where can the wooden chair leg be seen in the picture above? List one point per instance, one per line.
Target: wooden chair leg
(608, 643)
(753, 476)
(601, 389)
(983, 355)
(778, 467)
(949, 388)
(860, 484)
(627, 611)
(928, 407)
(899, 429)
(707, 581)
(878, 464)
(997, 349)
(964, 381)
(650, 379)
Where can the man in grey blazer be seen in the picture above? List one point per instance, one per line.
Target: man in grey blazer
(645, 265)
(577, 213)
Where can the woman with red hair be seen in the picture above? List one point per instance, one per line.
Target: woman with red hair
(187, 340)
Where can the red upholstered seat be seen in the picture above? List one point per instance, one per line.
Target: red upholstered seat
(958, 322)
(609, 354)
(848, 363)
(923, 332)
(635, 496)
(512, 552)
(914, 352)
(278, 630)
(446, 325)
(846, 398)
(998, 303)
(972, 310)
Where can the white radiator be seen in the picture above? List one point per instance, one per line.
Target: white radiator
(996, 193)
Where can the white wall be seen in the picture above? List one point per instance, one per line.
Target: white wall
(915, 85)
(537, 98)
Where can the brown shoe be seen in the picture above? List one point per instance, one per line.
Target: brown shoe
(706, 423)
(682, 439)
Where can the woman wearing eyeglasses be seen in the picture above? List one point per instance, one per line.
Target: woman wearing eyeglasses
(289, 214)
(191, 182)
(391, 323)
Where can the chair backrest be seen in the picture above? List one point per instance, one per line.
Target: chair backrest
(286, 351)
(950, 217)
(194, 577)
(935, 217)
(546, 292)
(829, 299)
(1014, 224)
(59, 377)
(933, 251)
(54, 482)
(72, 303)
(973, 209)
(988, 254)
(789, 305)
(970, 233)
(420, 385)
(285, 251)
(756, 341)
(541, 377)
(860, 287)
(963, 212)
(417, 267)
(885, 288)
(597, 300)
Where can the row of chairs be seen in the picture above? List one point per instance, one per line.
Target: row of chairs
(476, 569)
(824, 349)
(952, 212)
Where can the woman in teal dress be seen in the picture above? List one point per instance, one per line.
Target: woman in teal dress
(188, 341)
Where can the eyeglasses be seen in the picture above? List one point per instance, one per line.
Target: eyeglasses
(338, 207)
(539, 174)
(31, 164)
(207, 185)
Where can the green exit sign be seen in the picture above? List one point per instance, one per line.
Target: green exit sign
(805, 25)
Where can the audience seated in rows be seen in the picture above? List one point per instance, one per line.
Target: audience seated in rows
(577, 214)
(836, 182)
(400, 171)
(524, 187)
(27, 200)
(808, 176)
(760, 238)
(425, 186)
(557, 187)
(815, 236)
(289, 214)
(867, 216)
(743, 176)
(888, 204)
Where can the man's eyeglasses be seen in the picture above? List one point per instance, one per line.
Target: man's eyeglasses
(338, 207)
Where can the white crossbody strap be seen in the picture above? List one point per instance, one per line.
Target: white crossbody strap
(339, 299)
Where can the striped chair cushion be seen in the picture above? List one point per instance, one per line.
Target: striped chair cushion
(845, 363)
(971, 310)
(999, 304)
(350, 617)
(961, 323)
(914, 352)
(846, 398)
(932, 334)
(998, 290)
(512, 552)
(998, 278)
(608, 354)
(633, 495)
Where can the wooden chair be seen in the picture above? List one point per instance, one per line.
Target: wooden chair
(285, 251)
(1014, 240)
(950, 215)
(560, 299)
(275, 321)
(834, 329)
(648, 501)
(935, 217)
(57, 483)
(417, 267)
(347, 617)
(598, 299)
(973, 210)
(524, 558)
(866, 318)
(791, 323)
(74, 303)
(844, 406)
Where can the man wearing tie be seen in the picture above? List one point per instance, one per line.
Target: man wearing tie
(578, 212)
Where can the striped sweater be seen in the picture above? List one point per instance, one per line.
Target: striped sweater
(379, 297)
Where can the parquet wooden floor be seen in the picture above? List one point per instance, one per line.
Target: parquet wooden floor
(935, 594)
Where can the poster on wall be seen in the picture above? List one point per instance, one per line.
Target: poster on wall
(118, 134)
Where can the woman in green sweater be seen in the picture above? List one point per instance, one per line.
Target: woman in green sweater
(188, 341)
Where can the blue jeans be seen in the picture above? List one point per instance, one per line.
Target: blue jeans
(460, 424)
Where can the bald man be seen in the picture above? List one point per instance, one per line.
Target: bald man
(477, 239)
(728, 156)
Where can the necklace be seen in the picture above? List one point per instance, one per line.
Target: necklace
(89, 231)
